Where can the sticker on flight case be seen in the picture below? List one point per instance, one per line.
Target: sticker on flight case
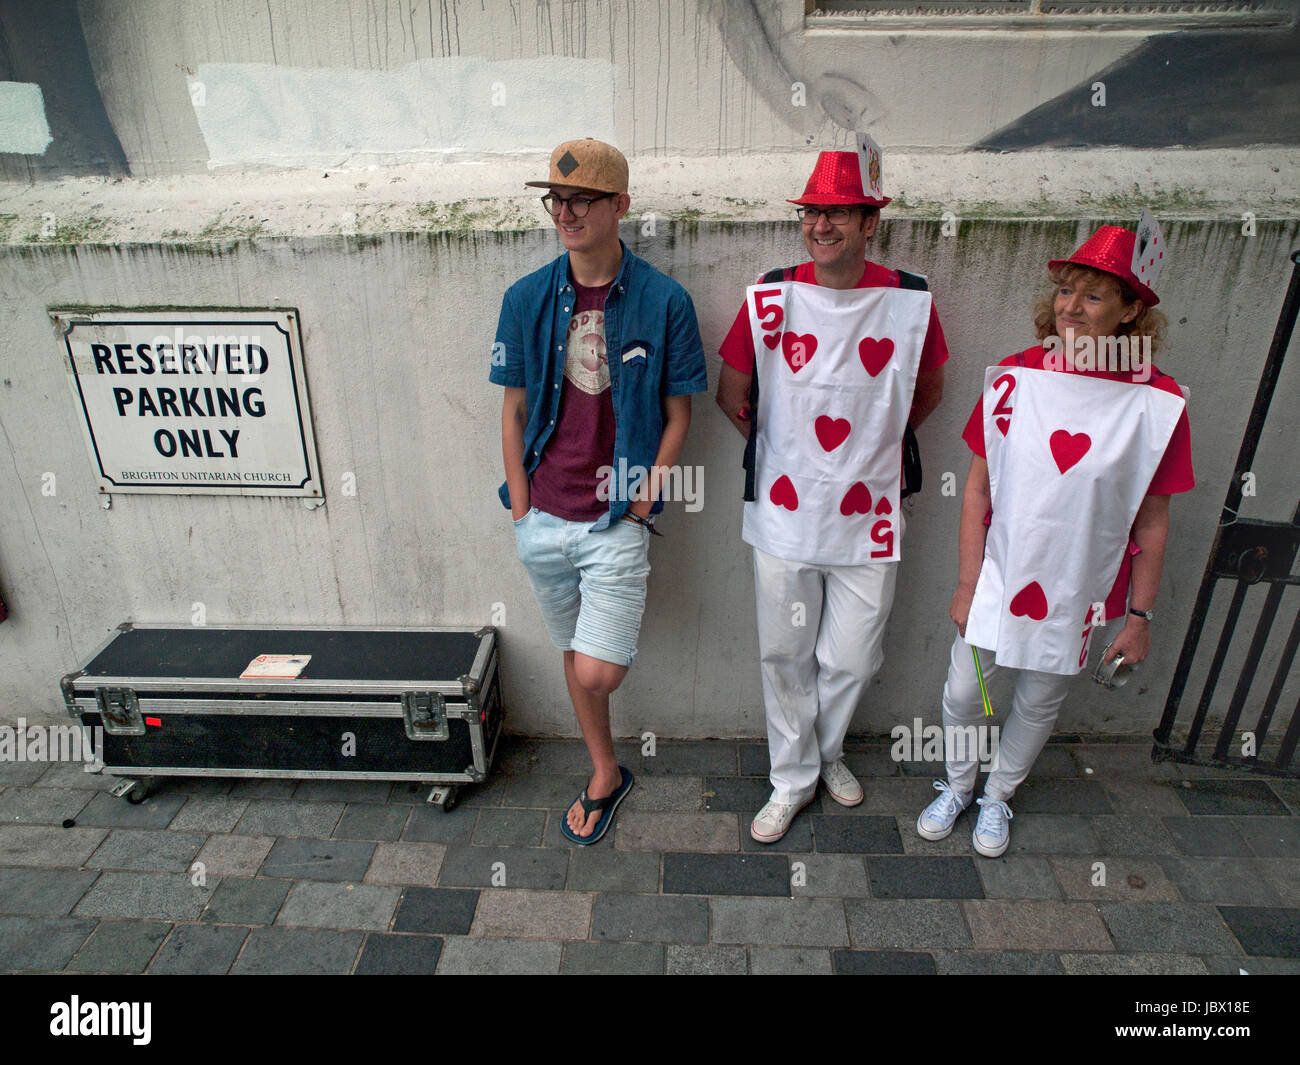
(278, 667)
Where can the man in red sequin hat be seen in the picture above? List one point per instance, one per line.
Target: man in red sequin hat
(827, 368)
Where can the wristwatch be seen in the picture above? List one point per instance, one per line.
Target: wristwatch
(1148, 614)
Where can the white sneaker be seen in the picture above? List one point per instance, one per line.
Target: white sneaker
(937, 819)
(773, 821)
(992, 832)
(841, 784)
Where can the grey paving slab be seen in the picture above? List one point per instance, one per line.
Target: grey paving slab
(70, 775)
(890, 797)
(491, 792)
(125, 946)
(690, 960)
(882, 963)
(366, 907)
(428, 824)
(1270, 837)
(1017, 876)
(684, 794)
(829, 876)
(1283, 875)
(263, 789)
(1132, 965)
(402, 955)
(797, 840)
(1052, 834)
(504, 867)
(338, 860)
(906, 924)
(1289, 792)
(105, 811)
(1206, 837)
(509, 828)
(21, 774)
(1236, 965)
(147, 850)
(571, 757)
(1230, 798)
(161, 896)
(1048, 795)
(206, 813)
(779, 922)
(996, 963)
(345, 791)
(1133, 834)
(41, 806)
(406, 863)
(649, 918)
(374, 821)
(918, 877)
(604, 869)
(791, 961)
(869, 834)
(298, 950)
(1057, 761)
(1167, 928)
(234, 855)
(726, 874)
(440, 911)
(601, 959)
(43, 892)
(1035, 925)
(246, 901)
(489, 957)
(1114, 760)
(199, 949)
(1269, 931)
(505, 913)
(876, 762)
(193, 787)
(755, 760)
(1221, 880)
(958, 841)
(546, 791)
(40, 944)
(712, 832)
(1131, 795)
(698, 758)
(1114, 879)
(279, 817)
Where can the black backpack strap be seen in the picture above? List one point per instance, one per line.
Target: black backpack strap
(772, 277)
(911, 449)
(912, 281)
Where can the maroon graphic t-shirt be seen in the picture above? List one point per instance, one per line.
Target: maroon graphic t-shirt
(567, 477)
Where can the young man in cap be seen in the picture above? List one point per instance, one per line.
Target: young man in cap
(849, 356)
(598, 353)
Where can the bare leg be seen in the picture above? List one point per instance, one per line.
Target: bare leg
(590, 682)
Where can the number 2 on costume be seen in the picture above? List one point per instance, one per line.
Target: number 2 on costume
(1002, 409)
(777, 315)
(883, 533)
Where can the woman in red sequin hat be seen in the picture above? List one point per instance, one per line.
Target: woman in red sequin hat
(1078, 442)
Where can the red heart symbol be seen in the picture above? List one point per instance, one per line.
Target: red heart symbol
(1030, 601)
(883, 506)
(772, 340)
(1003, 425)
(857, 500)
(783, 493)
(1068, 449)
(798, 349)
(831, 432)
(875, 353)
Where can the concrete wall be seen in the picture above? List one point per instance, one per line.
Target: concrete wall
(396, 333)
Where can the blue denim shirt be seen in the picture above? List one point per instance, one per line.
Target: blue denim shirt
(645, 310)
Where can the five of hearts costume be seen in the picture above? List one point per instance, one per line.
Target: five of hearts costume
(836, 370)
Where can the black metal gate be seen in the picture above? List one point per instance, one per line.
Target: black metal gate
(1248, 552)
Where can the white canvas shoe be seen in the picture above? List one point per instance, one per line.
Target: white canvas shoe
(992, 833)
(841, 784)
(937, 819)
(773, 821)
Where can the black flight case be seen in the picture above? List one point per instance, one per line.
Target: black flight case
(413, 704)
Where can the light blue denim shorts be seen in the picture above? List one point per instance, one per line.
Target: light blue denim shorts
(591, 586)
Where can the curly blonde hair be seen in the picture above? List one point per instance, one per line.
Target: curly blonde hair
(1149, 322)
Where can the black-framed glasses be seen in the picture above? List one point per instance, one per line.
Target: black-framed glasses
(837, 216)
(578, 205)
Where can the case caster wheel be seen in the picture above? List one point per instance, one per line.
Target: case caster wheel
(445, 796)
(133, 791)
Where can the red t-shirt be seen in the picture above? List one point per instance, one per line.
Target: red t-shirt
(737, 349)
(1173, 475)
(567, 477)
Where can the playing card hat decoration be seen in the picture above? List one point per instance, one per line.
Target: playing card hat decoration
(586, 164)
(1111, 250)
(837, 182)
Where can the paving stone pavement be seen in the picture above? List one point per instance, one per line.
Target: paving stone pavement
(1116, 865)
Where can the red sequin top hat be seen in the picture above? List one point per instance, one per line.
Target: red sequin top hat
(1110, 250)
(837, 182)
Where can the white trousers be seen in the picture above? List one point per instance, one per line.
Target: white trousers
(1037, 700)
(820, 631)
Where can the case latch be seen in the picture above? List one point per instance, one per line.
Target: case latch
(119, 709)
(425, 716)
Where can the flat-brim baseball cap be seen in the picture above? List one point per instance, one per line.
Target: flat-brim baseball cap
(586, 164)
